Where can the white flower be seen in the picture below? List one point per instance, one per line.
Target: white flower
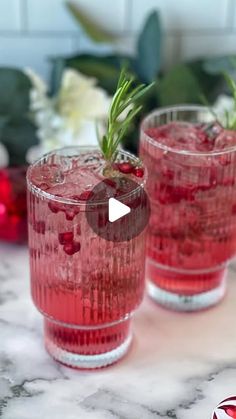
(223, 102)
(4, 157)
(80, 99)
(34, 153)
(70, 117)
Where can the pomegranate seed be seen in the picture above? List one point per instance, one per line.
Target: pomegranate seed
(126, 168)
(138, 172)
(228, 182)
(66, 237)
(53, 207)
(71, 213)
(169, 194)
(110, 182)
(77, 246)
(39, 227)
(71, 248)
(84, 196)
(135, 203)
(224, 159)
(167, 173)
(102, 220)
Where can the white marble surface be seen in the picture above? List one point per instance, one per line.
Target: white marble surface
(180, 366)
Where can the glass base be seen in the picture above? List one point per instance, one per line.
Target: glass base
(85, 347)
(186, 302)
(185, 290)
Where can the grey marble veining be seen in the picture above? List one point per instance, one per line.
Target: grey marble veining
(180, 365)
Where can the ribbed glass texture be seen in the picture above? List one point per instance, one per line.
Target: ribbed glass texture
(88, 297)
(192, 229)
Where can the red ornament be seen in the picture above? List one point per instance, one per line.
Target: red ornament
(13, 207)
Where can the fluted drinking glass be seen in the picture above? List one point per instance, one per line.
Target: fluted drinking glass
(191, 162)
(86, 287)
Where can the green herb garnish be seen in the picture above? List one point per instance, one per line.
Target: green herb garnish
(126, 96)
(230, 116)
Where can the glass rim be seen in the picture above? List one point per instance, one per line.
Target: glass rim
(182, 107)
(51, 197)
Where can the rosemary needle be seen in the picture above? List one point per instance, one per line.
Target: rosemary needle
(125, 98)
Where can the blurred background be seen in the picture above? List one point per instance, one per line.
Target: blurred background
(31, 31)
(60, 62)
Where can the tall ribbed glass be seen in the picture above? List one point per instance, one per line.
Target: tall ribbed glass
(191, 162)
(86, 287)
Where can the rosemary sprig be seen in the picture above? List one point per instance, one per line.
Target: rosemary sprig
(126, 97)
(230, 116)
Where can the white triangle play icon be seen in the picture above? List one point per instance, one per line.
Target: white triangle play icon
(117, 210)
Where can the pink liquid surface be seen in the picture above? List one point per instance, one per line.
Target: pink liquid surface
(79, 279)
(193, 200)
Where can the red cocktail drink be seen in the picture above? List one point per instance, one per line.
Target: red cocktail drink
(191, 162)
(86, 287)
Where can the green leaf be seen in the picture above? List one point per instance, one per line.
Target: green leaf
(218, 65)
(179, 86)
(149, 49)
(92, 29)
(59, 65)
(14, 92)
(211, 84)
(18, 136)
(106, 69)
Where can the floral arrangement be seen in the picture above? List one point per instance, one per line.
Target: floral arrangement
(35, 117)
(70, 116)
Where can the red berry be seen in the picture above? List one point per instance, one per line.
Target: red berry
(126, 168)
(71, 248)
(84, 196)
(225, 159)
(39, 227)
(138, 172)
(102, 220)
(71, 212)
(53, 207)
(77, 246)
(78, 229)
(110, 182)
(66, 237)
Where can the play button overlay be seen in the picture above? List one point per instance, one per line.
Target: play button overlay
(118, 209)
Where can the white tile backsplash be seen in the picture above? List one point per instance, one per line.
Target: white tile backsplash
(233, 14)
(182, 14)
(52, 15)
(32, 52)
(207, 45)
(10, 15)
(33, 30)
(49, 15)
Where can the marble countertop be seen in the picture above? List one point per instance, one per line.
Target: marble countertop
(180, 365)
